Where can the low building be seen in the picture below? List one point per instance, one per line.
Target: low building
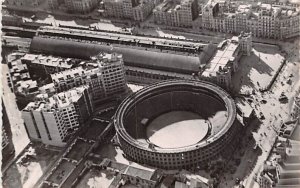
(140, 177)
(52, 120)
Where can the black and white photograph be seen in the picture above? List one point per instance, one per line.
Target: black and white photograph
(150, 93)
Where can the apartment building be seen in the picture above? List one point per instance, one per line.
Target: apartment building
(81, 6)
(105, 74)
(41, 66)
(262, 20)
(224, 62)
(33, 3)
(52, 120)
(137, 10)
(178, 13)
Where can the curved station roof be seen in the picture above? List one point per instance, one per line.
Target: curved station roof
(181, 62)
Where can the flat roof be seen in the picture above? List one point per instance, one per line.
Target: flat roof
(138, 172)
(47, 60)
(221, 58)
(58, 100)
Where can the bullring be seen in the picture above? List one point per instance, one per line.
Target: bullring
(208, 105)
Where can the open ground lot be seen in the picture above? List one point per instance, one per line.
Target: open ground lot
(257, 70)
(31, 165)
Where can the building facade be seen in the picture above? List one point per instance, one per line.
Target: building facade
(176, 13)
(52, 120)
(262, 20)
(128, 9)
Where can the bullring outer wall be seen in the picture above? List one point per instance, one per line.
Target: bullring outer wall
(184, 157)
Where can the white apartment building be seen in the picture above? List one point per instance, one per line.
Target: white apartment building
(137, 10)
(262, 20)
(52, 120)
(105, 74)
(178, 13)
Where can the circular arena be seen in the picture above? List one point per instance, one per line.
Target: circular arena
(176, 124)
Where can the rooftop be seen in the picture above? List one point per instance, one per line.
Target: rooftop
(28, 84)
(225, 53)
(57, 101)
(141, 173)
(78, 71)
(17, 66)
(48, 60)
